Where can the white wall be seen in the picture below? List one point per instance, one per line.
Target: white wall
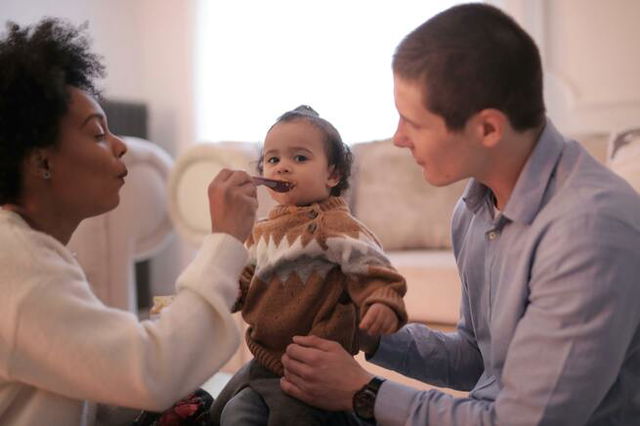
(588, 47)
(595, 54)
(591, 61)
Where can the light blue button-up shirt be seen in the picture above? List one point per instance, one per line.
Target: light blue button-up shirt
(549, 324)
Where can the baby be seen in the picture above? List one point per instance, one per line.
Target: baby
(313, 270)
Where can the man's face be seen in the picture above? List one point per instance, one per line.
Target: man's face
(445, 156)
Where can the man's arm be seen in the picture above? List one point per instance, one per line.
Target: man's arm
(566, 353)
(442, 359)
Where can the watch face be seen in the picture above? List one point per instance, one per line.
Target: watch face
(363, 403)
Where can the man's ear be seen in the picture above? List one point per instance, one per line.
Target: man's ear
(490, 126)
(334, 177)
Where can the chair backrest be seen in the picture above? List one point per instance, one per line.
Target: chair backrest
(107, 246)
(194, 169)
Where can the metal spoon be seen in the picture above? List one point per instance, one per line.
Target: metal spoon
(276, 185)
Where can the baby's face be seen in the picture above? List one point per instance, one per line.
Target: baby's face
(294, 151)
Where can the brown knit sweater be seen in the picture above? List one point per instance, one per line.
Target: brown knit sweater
(313, 270)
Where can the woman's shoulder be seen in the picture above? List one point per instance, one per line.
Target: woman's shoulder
(19, 237)
(27, 252)
(31, 264)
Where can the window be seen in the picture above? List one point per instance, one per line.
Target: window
(258, 59)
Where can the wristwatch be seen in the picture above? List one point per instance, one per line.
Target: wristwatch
(364, 400)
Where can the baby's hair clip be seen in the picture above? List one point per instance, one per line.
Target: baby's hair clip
(306, 109)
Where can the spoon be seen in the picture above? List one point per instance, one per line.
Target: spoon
(276, 185)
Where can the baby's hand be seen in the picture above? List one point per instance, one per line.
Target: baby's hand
(379, 319)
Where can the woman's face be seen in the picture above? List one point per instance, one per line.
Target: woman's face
(294, 151)
(86, 165)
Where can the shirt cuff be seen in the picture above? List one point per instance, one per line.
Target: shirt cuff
(393, 403)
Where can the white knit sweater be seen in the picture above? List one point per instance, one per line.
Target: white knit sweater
(60, 346)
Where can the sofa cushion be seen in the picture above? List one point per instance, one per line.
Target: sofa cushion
(391, 197)
(433, 285)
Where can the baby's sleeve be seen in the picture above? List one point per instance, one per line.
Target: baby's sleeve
(370, 276)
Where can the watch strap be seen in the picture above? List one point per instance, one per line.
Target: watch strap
(364, 399)
(374, 384)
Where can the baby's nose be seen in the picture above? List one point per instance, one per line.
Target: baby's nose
(282, 169)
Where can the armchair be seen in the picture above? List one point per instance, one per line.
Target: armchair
(107, 246)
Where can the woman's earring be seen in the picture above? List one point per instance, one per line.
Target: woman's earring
(46, 174)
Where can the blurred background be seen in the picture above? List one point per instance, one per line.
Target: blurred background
(213, 70)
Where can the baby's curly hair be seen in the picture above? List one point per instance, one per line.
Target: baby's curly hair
(37, 64)
(338, 153)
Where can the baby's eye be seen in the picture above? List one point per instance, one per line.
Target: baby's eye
(300, 158)
(272, 160)
(99, 137)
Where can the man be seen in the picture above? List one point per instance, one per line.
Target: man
(547, 242)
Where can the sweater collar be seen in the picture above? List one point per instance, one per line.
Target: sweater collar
(331, 203)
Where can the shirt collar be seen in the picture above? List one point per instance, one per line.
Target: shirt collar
(527, 196)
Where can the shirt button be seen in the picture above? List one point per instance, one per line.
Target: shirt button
(313, 214)
(312, 227)
(492, 235)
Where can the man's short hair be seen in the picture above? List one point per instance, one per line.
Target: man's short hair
(472, 57)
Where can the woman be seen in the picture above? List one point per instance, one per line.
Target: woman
(59, 164)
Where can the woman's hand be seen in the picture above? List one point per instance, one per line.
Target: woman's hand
(321, 373)
(379, 319)
(232, 203)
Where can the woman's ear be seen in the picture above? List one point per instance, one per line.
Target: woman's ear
(38, 163)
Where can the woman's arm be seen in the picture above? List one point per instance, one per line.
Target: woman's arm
(66, 341)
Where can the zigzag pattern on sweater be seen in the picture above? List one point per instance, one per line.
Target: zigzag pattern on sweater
(305, 256)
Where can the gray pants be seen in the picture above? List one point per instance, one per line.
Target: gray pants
(253, 397)
(246, 408)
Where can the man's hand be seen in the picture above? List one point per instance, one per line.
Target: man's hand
(379, 319)
(232, 203)
(321, 373)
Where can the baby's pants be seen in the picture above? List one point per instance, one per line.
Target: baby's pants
(260, 397)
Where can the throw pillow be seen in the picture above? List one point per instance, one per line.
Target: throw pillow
(390, 196)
